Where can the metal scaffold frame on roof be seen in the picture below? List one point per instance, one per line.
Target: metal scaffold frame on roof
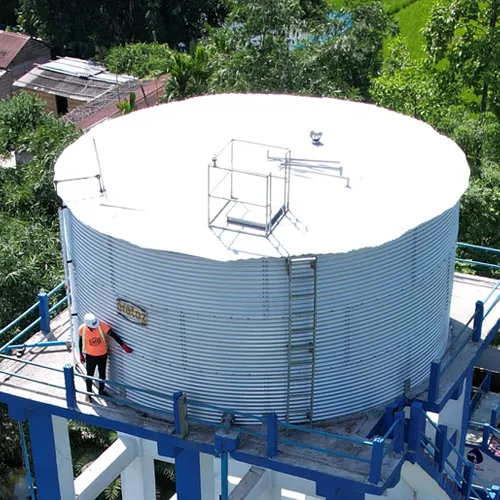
(222, 197)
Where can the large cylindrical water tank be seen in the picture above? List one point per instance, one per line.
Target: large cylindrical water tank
(216, 303)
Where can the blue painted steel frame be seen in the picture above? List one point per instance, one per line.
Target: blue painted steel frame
(171, 445)
(43, 448)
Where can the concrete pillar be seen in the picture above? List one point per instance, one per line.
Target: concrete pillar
(455, 415)
(138, 479)
(207, 474)
(95, 478)
(187, 475)
(51, 457)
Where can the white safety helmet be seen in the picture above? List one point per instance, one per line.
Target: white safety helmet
(90, 320)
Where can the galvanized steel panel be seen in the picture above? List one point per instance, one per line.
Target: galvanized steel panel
(219, 330)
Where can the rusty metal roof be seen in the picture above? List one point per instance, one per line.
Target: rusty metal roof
(10, 45)
(73, 78)
(104, 107)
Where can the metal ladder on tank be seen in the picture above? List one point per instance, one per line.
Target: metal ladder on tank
(302, 318)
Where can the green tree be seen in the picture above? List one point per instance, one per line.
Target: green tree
(478, 134)
(20, 115)
(465, 36)
(28, 190)
(273, 46)
(144, 60)
(415, 88)
(84, 28)
(188, 75)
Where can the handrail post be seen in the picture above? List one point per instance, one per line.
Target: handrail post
(494, 416)
(272, 435)
(399, 433)
(69, 383)
(467, 475)
(441, 437)
(180, 414)
(43, 307)
(486, 436)
(376, 461)
(417, 426)
(478, 321)
(434, 381)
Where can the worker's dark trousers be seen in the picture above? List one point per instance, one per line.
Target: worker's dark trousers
(100, 362)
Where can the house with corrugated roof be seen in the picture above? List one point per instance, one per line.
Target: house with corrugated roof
(68, 83)
(18, 55)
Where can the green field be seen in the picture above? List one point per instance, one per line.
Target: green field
(411, 16)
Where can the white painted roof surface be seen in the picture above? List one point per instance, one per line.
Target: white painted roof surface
(402, 172)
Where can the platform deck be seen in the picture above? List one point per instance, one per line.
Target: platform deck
(467, 289)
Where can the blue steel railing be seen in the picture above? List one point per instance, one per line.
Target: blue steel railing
(483, 389)
(466, 334)
(379, 447)
(449, 467)
(44, 313)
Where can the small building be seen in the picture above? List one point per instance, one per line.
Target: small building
(18, 55)
(69, 83)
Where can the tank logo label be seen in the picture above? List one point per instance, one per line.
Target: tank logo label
(133, 313)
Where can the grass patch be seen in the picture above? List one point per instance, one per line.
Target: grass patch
(394, 6)
(411, 16)
(411, 20)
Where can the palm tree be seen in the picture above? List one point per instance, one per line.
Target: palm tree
(188, 76)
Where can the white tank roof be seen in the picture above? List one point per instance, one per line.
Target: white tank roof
(154, 166)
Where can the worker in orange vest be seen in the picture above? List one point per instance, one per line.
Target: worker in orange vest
(93, 347)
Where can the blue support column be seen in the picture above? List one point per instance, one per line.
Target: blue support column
(225, 443)
(69, 382)
(376, 461)
(187, 475)
(478, 321)
(272, 435)
(224, 473)
(441, 436)
(399, 433)
(417, 426)
(43, 449)
(434, 381)
(43, 308)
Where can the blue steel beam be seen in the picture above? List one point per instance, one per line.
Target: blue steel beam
(169, 444)
(187, 475)
(43, 449)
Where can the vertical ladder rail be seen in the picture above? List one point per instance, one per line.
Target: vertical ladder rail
(301, 346)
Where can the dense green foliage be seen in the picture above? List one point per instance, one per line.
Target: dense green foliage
(441, 90)
(83, 28)
(144, 60)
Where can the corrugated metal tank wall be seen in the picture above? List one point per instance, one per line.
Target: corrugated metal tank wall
(219, 330)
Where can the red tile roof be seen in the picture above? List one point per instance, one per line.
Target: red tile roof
(10, 45)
